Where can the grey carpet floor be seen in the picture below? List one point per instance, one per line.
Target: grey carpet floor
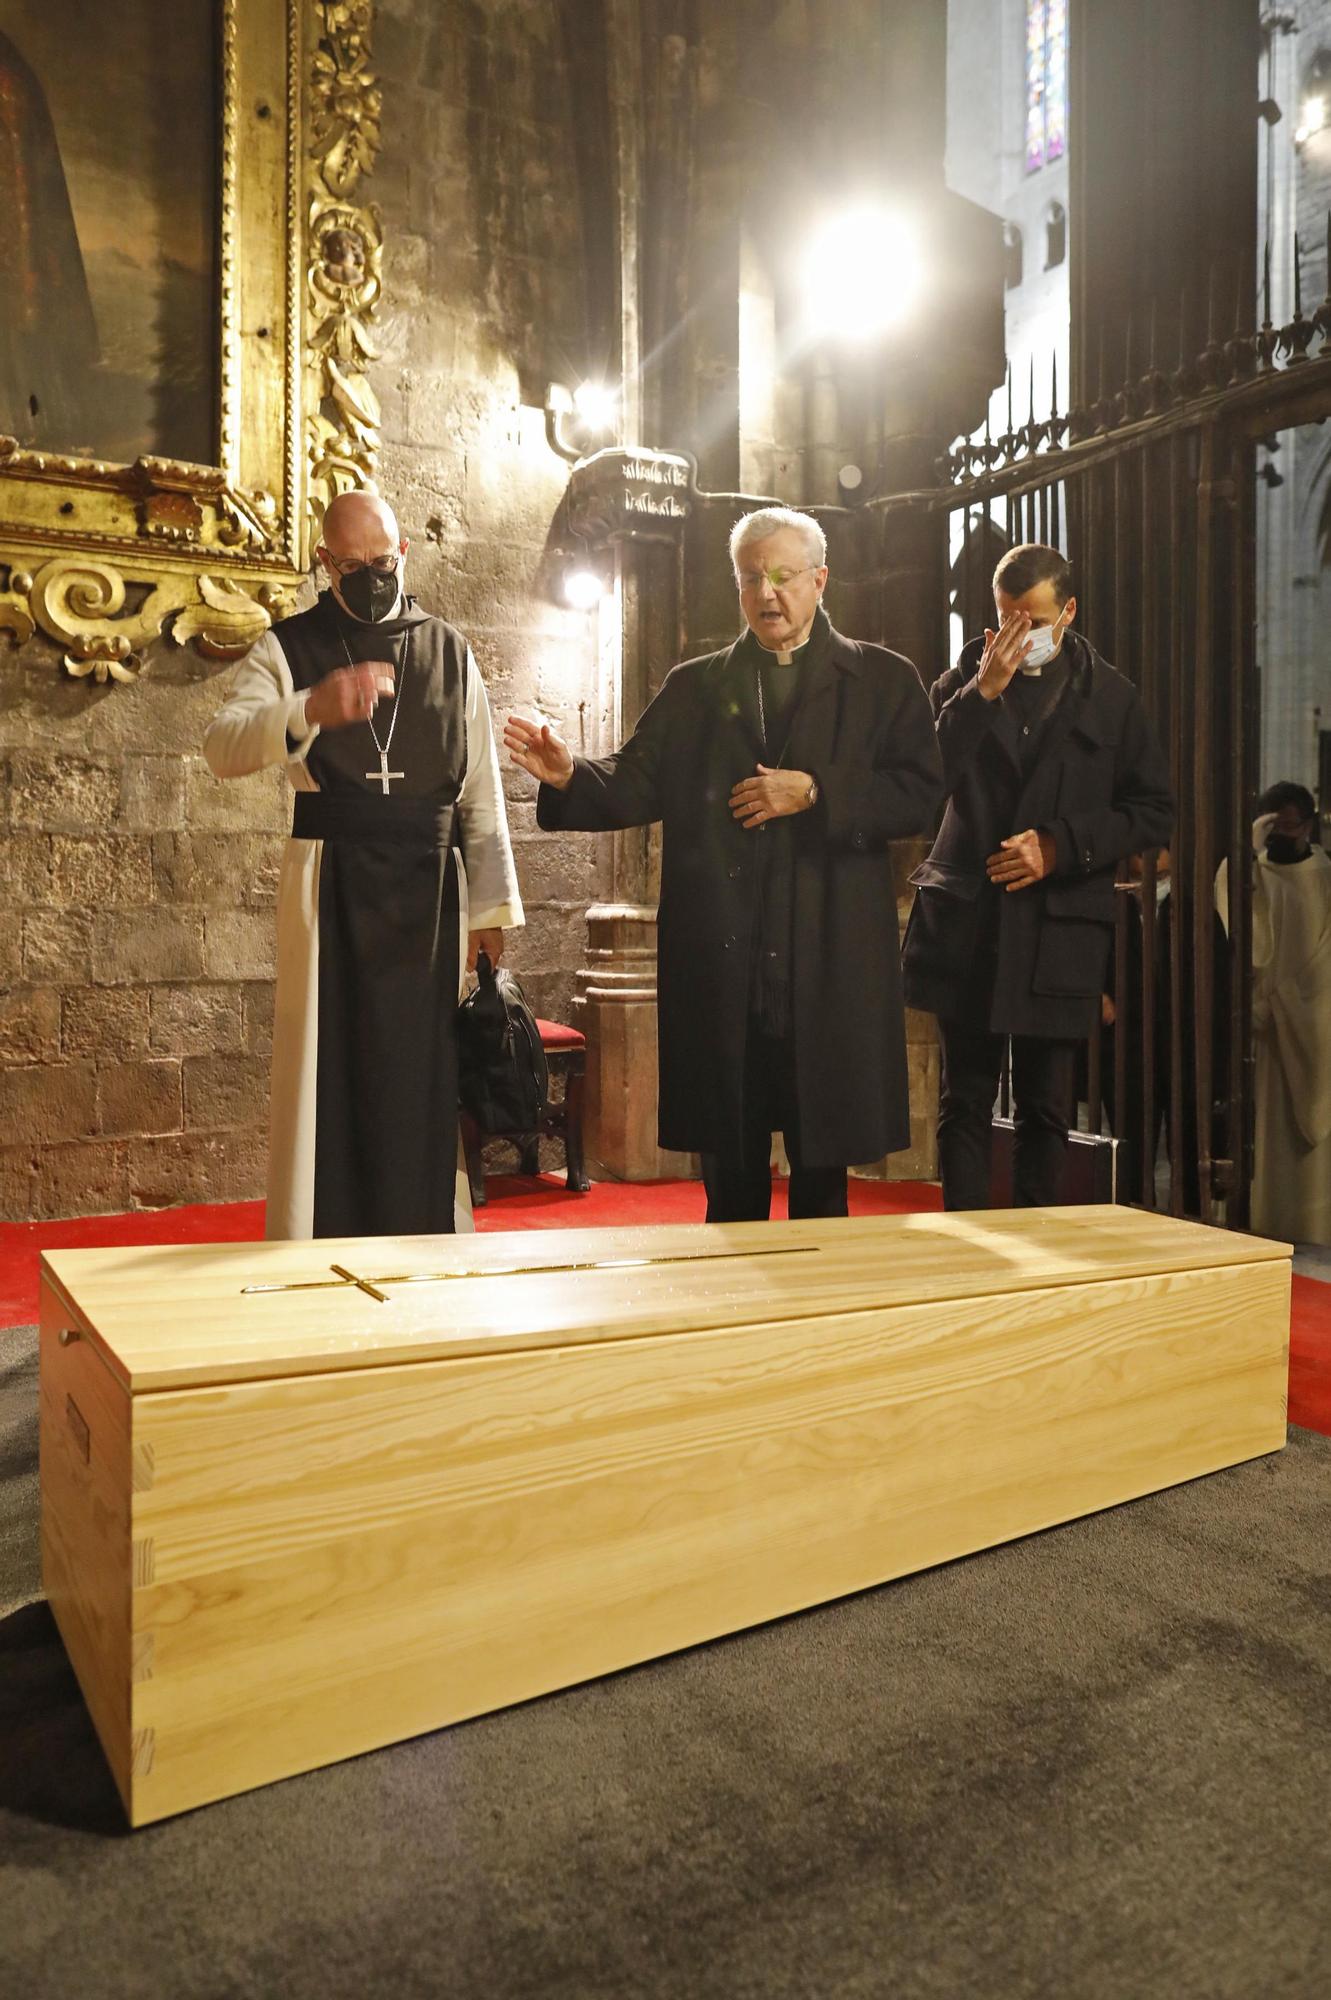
(1093, 1765)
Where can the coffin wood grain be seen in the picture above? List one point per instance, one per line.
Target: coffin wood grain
(87, 1557)
(191, 1323)
(323, 1562)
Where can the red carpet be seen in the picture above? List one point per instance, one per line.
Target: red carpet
(544, 1204)
(1310, 1355)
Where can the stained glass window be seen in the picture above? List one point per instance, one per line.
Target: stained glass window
(1046, 82)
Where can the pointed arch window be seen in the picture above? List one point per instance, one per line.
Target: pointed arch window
(1046, 82)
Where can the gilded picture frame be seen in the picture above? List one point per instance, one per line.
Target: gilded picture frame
(107, 558)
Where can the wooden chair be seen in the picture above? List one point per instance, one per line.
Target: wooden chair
(565, 1057)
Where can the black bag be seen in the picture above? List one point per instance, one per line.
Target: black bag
(502, 1077)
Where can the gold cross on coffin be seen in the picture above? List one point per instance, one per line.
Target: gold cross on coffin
(371, 1286)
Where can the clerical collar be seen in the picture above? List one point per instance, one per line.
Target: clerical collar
(788, 658)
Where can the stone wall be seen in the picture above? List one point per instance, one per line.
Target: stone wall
(136, 892)
(136, 942)
(136, 945)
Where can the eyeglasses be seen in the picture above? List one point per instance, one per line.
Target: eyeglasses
(381, 565)
(753, 579)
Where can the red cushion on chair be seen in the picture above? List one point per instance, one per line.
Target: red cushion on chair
(555, 1036)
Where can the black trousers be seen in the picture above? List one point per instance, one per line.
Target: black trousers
(742, 1191)
(1042, 1083)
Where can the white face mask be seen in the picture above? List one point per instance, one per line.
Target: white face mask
(1044, 643)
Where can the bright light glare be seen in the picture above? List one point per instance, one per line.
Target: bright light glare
(862, 273)
(583, 589)
(597, 405)
(1312, 119)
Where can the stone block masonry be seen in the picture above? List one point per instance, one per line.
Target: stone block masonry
(136, 956)
(137, 893)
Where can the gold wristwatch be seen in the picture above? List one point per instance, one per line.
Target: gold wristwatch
(811, 796)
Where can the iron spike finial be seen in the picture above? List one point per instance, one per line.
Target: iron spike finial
(1295, 337)
(1212, 357)
(1298, 281)
(1265, 343)
(1181, 381)
(1322, 317)
(1239, 347)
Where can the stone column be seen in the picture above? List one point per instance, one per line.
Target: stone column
(615, 1007)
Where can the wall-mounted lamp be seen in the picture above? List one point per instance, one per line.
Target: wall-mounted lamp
(579, 421)
(597, 406)
(583, 588)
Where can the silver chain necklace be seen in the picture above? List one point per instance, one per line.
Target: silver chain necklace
(383, 774)
(762, 716)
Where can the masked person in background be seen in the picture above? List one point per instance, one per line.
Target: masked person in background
(1053, 775)
(399, 849)
(1291, 1014)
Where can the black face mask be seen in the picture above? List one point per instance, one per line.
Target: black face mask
(1282, 847)
(368, 594)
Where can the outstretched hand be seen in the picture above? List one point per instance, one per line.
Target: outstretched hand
(534, 748)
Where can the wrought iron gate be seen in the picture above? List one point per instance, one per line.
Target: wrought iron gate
(1150, 492)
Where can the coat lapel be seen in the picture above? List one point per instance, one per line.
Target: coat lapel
(1079, 711)
(835, 659)
(1003, 733)
(737, 700)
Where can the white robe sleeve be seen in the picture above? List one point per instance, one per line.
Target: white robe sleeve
(250, 731)
(493, 900)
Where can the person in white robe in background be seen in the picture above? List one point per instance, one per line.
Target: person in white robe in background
(1291, 955)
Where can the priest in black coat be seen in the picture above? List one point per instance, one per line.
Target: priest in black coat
(1053, 776)
(782, 768)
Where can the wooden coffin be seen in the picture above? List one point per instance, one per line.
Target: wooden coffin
(281, 1527)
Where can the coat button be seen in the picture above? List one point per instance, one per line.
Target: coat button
(726, 943)
(736, 871)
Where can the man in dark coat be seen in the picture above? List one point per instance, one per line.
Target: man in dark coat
(782, 769)
(1053, 774)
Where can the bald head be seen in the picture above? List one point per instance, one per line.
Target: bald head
(359, 530)
(360, 526)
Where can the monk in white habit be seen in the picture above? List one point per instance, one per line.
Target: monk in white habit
(399, 852)
(1291, 1007)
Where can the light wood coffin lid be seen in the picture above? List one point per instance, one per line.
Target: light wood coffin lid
(177, 1316)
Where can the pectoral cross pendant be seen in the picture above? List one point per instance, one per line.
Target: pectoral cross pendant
(383, 774)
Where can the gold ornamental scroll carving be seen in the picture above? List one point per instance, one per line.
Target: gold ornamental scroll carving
(344, 251)
(106, 558)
